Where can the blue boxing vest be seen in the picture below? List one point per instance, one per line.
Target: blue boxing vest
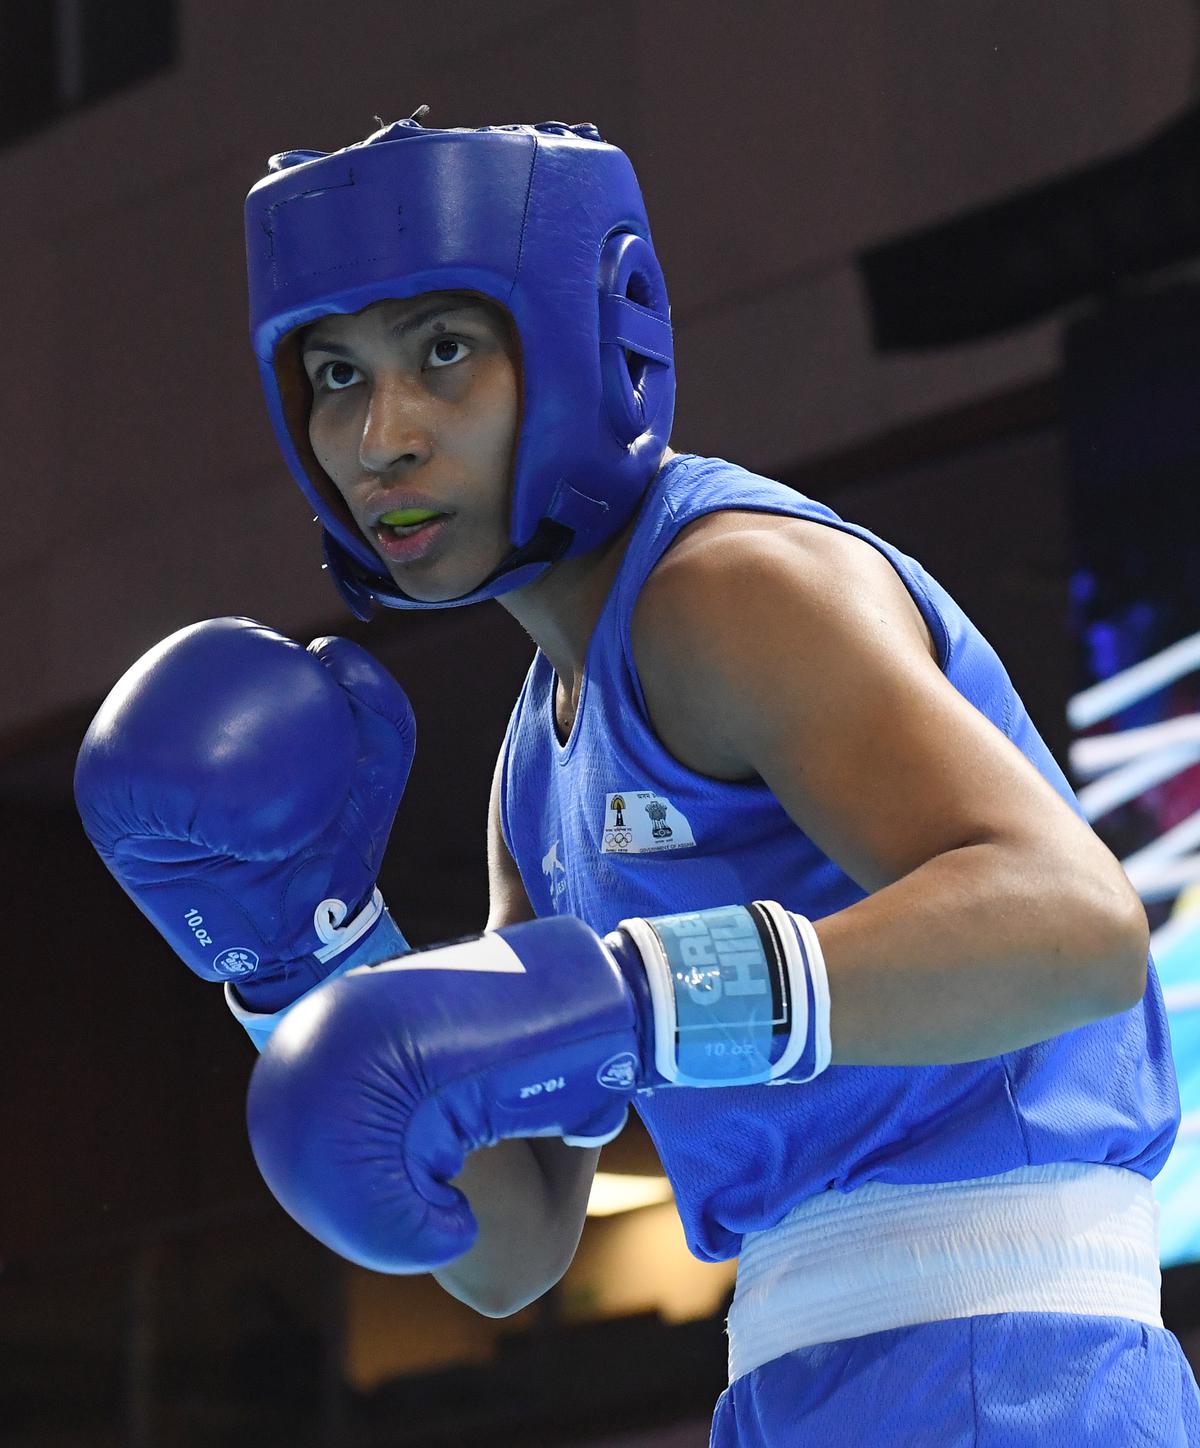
(611, 825)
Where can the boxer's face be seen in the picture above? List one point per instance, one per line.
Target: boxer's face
(416, 406)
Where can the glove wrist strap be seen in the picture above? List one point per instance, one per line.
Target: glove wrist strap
(739, 995)
(338, 934)
(382, 942)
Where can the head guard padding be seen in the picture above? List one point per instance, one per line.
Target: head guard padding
(548, 222)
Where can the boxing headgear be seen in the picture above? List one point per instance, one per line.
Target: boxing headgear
(545, 220)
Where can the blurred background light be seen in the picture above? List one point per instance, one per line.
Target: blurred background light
(614, 1192)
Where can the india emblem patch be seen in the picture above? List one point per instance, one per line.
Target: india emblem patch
(640, 822)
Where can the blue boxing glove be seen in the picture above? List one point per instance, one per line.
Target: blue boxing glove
(370, 1096)
(242, 789)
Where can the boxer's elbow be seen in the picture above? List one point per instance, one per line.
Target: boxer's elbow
(1130, 933)
(1113, 921)
(495, 1284)
(529, 1200)
(494, 1296)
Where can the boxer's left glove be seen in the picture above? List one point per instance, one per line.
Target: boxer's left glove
(241, 789)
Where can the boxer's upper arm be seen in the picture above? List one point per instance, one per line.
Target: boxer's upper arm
(792, 654)
(508, 903)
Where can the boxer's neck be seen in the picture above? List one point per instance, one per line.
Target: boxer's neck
(560, 609)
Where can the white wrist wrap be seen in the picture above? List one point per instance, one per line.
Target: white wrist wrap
(725, 986)
(809, 960)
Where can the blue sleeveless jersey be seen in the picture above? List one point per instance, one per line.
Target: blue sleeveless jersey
(611, 825)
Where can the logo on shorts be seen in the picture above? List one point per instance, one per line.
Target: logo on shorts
(639, 822)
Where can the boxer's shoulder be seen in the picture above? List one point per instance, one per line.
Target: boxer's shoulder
(733, 548)
(736, 587)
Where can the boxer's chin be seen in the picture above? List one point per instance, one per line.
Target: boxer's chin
(437, 585)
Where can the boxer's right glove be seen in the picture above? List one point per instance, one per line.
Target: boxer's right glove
(242, 789)
(365, 1105)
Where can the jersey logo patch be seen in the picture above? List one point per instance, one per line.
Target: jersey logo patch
(640, 822)
(556, 875)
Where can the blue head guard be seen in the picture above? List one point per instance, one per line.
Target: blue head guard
(548, 222)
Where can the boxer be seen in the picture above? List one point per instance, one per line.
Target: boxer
(777, 855)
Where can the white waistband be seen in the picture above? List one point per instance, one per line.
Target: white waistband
(1069, 1237)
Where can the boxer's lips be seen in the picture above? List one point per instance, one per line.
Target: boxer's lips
(406, 543)
(404, 526)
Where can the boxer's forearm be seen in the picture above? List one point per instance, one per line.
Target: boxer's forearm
(529, 1198)
(980, 951)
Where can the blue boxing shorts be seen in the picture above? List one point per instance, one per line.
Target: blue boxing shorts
(1003, 1312)
(1012, 1380)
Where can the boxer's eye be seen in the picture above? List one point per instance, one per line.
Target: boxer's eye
(323, 376)
(440, 355)
(443, 361)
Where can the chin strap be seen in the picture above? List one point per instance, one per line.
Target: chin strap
(362, 589)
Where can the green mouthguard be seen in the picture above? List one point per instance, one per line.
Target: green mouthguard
(404, 517)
